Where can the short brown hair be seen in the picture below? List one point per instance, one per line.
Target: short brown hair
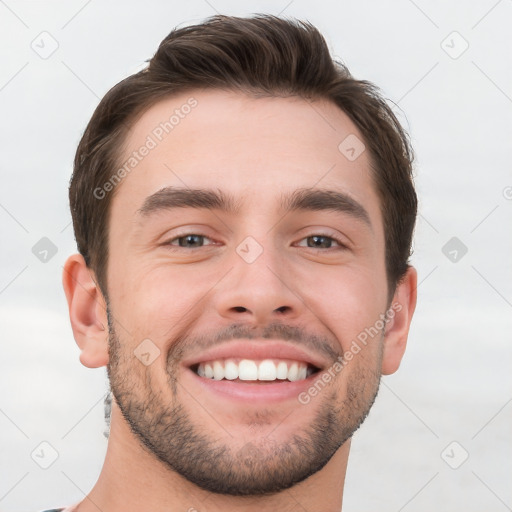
(262, 55)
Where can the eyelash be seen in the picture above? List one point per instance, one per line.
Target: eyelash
(324, 235)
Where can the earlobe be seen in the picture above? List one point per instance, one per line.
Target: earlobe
(400, 316)
(87, 312)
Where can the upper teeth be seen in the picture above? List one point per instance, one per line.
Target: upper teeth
(247, 369)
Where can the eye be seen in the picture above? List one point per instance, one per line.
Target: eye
(321, 241)
(195, 240)
(189, 240)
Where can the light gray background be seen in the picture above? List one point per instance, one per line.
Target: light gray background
(455, 381)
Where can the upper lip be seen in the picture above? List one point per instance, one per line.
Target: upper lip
(257, 350)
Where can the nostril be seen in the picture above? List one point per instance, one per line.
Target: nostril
(240, 309)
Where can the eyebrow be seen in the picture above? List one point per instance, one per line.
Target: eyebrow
(305, 199)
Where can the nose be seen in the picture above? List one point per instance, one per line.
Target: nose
(259, 291)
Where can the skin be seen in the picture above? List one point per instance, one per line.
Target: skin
(255, 150)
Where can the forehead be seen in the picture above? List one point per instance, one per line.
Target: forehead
(253, 148)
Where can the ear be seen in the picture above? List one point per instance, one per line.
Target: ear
(87, 312)
(400, 316)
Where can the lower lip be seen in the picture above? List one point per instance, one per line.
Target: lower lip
(254, 392)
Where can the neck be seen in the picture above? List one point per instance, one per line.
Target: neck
(133, 479)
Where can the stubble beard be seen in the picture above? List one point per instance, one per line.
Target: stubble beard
(263, 466)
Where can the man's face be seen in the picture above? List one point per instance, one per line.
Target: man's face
(195, 288)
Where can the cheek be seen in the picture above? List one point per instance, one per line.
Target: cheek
(158, 302)
(346, 299)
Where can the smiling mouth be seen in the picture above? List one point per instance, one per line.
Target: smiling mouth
(250, 370)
